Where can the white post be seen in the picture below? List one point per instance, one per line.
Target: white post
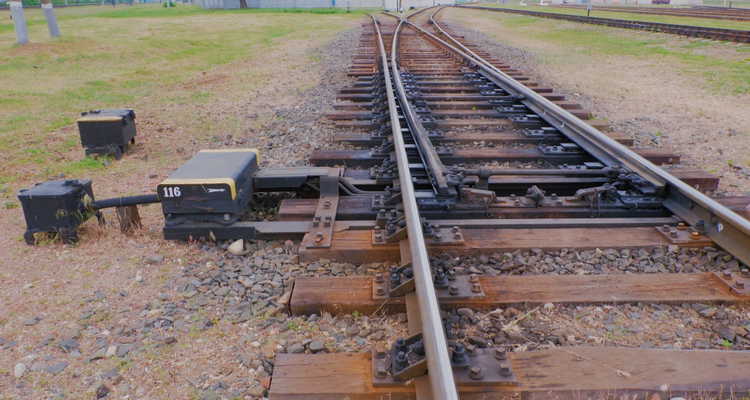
(49, 15)
(19, 22)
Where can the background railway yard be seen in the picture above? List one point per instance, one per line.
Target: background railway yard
(137, 316)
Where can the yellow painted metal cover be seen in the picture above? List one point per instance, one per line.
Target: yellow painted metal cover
(216, 167)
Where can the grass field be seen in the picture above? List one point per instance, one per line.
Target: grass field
(600, 11)
(123, 57)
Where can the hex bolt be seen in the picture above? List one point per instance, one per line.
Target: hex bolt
(473, 278)
(681, 226)
(500, 353)
(400, 344)
(453, 290)
(439, 278)
(476, 373)
(505, 369)
(380, 291)
(391, 229)
(457, 236)
(381, 373)
(379, 278)
(695, 235)
(400, 362)
(476, 288)
(377, 229)
(328, 220)
(455, 229)
(378, 238)
(395, 280)
(459, 355)
(665, 228)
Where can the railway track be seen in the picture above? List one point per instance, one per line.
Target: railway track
(731, 35)
(471, 190)
(734, 14)
(421, 194)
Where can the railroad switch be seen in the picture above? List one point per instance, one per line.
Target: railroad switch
(57, 207)
(110, 131)
(213, 186)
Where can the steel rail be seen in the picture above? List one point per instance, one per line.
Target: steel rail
(587, 137)
(680, 12)
(440, 372)
(427, 152)
(732, 35)
(723, 226)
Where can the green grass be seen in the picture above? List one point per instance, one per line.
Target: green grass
(115, 57)
(724, 76)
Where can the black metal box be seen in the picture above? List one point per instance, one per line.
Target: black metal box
(107, 131)
(56, 207)
(213, 186)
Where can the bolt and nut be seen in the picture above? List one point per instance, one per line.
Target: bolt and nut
(505, 369)
(476, 373)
